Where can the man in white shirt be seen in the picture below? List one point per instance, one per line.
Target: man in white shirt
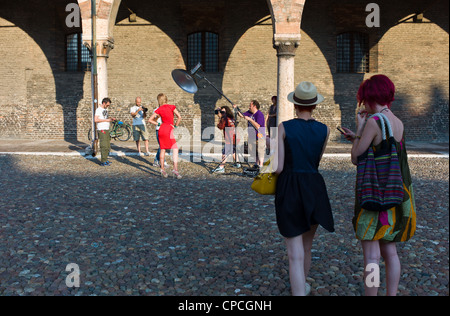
(138, 112)
(103, 125)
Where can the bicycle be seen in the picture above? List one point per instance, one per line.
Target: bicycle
(119, 131)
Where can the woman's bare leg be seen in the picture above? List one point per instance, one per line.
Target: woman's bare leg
(393, 267)
(162, 156)
(371, 251)
(175, 159)
(296, 256)
(308, 238)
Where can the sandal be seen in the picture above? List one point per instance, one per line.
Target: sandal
(163, 174)
(176, 174)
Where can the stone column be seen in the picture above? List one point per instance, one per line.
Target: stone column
(103, 49)
(285, 53)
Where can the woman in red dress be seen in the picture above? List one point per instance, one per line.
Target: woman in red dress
(166, 136)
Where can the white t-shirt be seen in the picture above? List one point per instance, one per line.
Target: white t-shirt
(159, 121)
(139, 118)
(103, 115)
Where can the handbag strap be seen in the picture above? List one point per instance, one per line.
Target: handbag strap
(388, 124)
(268, 166)
(384, 122)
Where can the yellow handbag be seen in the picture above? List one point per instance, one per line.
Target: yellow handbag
(265, 183)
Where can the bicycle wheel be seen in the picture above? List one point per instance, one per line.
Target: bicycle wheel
(123, 133)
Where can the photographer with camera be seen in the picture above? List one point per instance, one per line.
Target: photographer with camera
(227, 124)
(139, 113)
(256, 132)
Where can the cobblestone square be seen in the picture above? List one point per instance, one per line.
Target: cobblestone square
(133, 233)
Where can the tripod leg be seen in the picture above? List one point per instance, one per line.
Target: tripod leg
(240, 154)
(224, 159)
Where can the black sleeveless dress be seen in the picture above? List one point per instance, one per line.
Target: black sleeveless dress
(301, 198)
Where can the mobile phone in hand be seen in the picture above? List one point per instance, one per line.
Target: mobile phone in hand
(340, 130)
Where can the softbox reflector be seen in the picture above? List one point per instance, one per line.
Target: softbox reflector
(184, 80)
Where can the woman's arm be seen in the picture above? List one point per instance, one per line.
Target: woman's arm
(177, 114)
(326, 142)
(222, 123)
(364, 137)
(279, 151)
(153, 119)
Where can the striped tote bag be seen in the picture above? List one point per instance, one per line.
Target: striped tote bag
(379, 184)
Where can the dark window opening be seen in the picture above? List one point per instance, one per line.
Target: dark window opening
(203, 47)
(353, 53)
(78, 57)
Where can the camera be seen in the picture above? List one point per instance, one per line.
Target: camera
(144, 109)
(219, 111)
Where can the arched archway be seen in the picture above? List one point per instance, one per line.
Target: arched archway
(42, 23)
(350, 16)
(422, 87)
(169, 23)
(287, 16)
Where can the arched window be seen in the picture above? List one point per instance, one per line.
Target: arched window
(203, 47)
(78, 57)
(353, 52)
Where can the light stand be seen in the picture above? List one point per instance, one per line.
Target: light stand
(188, 82)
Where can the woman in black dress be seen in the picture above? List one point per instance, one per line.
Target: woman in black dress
(301, 199)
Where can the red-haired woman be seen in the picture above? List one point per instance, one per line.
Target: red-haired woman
(379, 231)
(165, 134)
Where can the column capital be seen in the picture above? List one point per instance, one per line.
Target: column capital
(103, 47)
(286, 46)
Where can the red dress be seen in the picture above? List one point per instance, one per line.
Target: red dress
(165, 134)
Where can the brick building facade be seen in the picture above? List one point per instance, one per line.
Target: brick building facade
(40, 98)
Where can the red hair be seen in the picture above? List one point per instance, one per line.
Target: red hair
(377, 89)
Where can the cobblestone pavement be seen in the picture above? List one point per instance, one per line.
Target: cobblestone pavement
(133, 233)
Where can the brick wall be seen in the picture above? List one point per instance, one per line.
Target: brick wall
(38, 99)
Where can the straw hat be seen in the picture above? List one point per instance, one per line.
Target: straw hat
(305, 95)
